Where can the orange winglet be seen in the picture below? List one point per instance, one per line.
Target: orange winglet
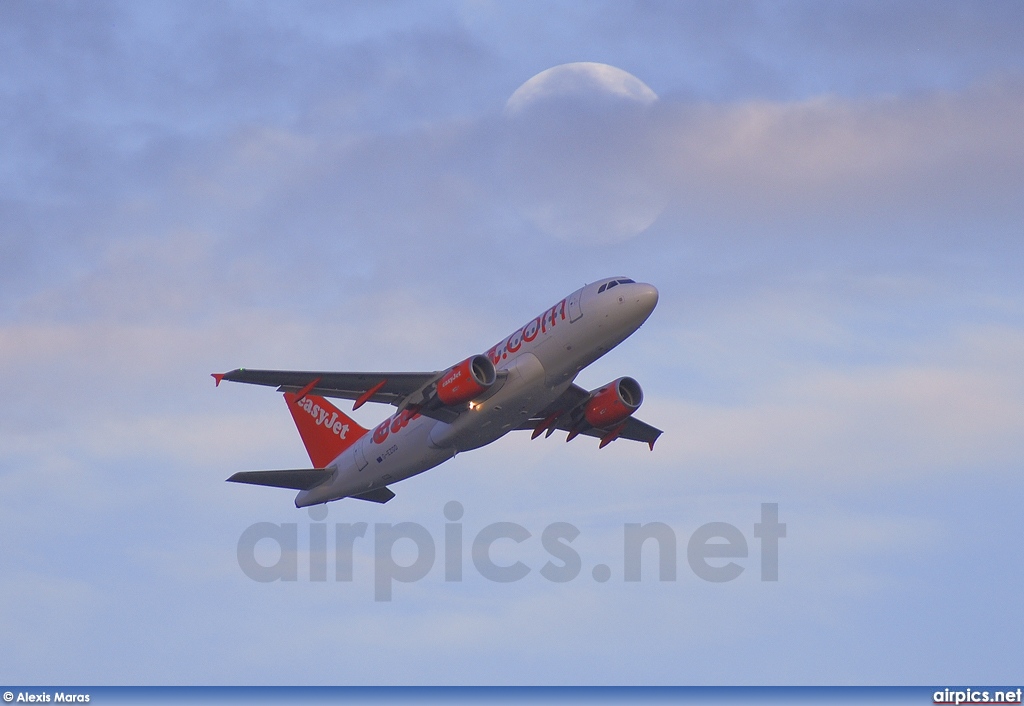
(612, 435)
(217, 377)
(365, 397)
(306, 390)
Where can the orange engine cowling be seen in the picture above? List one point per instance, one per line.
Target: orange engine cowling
(465, 381)
(612, 403)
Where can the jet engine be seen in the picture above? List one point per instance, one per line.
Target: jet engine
(466, 381)
(612, 403)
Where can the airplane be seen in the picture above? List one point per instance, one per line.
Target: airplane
(525, 382)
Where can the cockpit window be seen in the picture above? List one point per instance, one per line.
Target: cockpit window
(614, 283)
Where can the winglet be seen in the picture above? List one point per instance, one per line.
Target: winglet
(217, 377)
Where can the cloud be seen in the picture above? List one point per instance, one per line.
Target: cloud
(919, 168)
(942, 408)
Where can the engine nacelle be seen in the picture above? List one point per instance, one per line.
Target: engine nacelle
(612, 403)
(466, 381)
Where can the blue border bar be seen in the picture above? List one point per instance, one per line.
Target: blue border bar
(99, 696)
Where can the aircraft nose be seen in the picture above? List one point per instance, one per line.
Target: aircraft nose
(647, 297)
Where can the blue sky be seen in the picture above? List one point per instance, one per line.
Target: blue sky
(188, 188)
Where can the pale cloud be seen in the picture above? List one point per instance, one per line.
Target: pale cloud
(858, 425)
(958, 154)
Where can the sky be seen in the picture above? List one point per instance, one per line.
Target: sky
(827, 196)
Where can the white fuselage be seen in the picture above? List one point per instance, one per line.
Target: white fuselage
(541, 359)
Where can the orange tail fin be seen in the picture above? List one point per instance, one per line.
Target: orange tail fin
(326, 431)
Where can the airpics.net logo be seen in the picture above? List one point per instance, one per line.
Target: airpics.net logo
(977, 696)
(712, 551)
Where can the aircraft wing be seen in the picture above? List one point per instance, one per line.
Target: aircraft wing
(390, 388)
(634, 430)
(399, 389)
(569, 407)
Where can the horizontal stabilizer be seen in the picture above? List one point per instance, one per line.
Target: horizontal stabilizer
(380, 495)
(302, 479)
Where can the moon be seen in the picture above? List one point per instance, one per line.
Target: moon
(581, 158)
(580, 78)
